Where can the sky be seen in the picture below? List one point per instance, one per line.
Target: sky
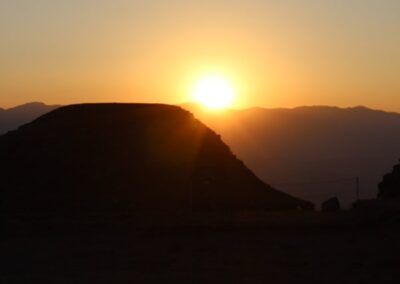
(282, 53)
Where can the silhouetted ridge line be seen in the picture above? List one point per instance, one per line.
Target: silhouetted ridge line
(12, 118)
(311, 144)
(126, 158)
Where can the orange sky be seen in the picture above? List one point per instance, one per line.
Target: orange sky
(277, 53)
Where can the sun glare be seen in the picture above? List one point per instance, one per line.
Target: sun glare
(214, 92)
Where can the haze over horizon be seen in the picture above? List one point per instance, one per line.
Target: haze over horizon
(275, 54)
(209, 141)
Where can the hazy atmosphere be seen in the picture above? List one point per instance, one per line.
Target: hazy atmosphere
(212, 141)
(275, 53)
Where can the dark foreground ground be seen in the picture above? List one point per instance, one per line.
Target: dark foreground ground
(288, 254)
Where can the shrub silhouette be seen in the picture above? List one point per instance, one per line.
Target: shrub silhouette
(389, 188)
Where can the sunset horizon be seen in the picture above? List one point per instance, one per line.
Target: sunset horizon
(201, 105)
(275, 54)
(200, 141)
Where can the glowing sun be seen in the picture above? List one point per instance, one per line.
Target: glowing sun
(214, 92)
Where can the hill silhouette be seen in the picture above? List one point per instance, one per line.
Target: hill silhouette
(312, 152)
(122, 158)
(11, 119)
(287, 147)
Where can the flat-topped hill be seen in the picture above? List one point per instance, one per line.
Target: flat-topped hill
(104, 158)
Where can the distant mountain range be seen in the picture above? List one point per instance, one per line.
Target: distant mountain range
(12, 118)
(110, 160)
(310, 152)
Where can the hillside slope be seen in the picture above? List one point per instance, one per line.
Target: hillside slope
(103, 158)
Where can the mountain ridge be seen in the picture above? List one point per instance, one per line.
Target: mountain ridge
(12, 118)
(310, 144)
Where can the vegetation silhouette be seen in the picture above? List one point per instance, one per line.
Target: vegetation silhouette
(108, 160)
(389, 187)
(331, 205)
